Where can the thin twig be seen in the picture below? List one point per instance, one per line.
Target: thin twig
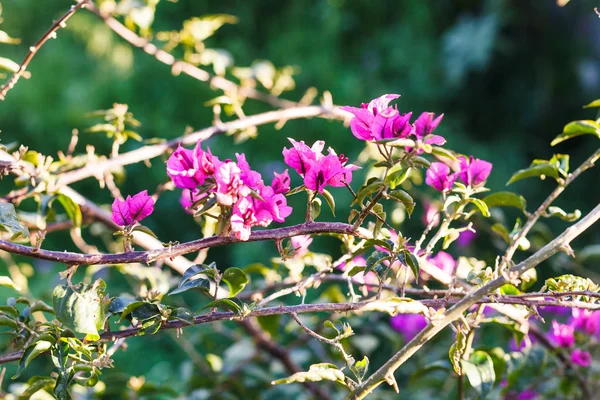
(51, 33)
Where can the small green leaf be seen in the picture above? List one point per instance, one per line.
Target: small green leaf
(199, 283)
(182, 314)
(480, 372)
(368, 189)
(197, 269)
(315, 208)
(72, 209)
(236, 279)
(501, 231)
(7, 321)
(330, 201)
(404, 198)
(144, 229)
(6, 281)
(554, 211)
(375, 259)
(421, 162)
(359, 369)
(536, 170)
(296, 190)
(505, 199)
(35, 384)
(6, 39)
(31, 352)
(457, 350)
(10, 222)
(230, 304)
(577, 128)
(595, 103)
(80, 307)
(407, 258)
(397, 175)
(316, 373)
(8, 65)
(39, 305)
(483, 208)
(442, 152)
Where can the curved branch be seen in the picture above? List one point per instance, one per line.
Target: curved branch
(149, 256)
(152, 151)
(60, 23)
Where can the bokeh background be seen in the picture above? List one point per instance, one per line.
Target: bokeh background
(507, 74)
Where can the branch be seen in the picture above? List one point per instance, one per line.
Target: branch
(152, 151)
(51, 33)
(149, 256)
(179, 66)
(463, 305)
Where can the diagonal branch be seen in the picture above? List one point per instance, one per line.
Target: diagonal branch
(50, 33)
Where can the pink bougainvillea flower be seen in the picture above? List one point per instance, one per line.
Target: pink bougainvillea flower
(329, 170)
(408, 325)
(585, 321)
(301, 156)
(582, 358)
(228, 180)
(473, 171)
(242, 218)
(431, 214)
(281, 182)
(376, 120)
(444, 261)
(250, 178)
(426, 124)
(438, 176)
(132, 209)
(189, 168)
(300, 244)
(273, 208)
(189, 197)
(562, 335)
(465, 238)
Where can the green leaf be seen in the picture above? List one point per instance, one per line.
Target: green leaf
(144, 229)
(141, 310)
(10, 322)
(577, 128)
(315, 208)
(501, 231)
(61, 389)
(457, 350)
(80, 307)
(404, 198)
(6, 39)
(6, 281)
(117, 305)
(316, 373)
(536, 170)
(483, 208)
(421, 162)
(505, 199)
(397, 175)
(39, 305)
(31, 352)
(595, 103)
(570, 283)
(330, 201)
(296, 190)
(10, 222)
(36, 384)
(407, 258)
(554, 211)
(375, 259)
(353, 215)
(150, 326)
(199, 283)
(393, 142)
(367, 190)
(72, 209)
(197, 269)
(442, 152)
(8, 65)
(359, 369)
(480, 372)
(230, 304)
(236, 279)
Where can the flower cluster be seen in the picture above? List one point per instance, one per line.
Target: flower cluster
(133, 209)
(236, 188)
(377, 121)
(471, 171)
(317, 169)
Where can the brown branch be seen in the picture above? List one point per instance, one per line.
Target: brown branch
(181, 66)
(152, 151)
(60, 23)
(149, 256)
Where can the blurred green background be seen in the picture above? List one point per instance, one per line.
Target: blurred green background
(507, 74)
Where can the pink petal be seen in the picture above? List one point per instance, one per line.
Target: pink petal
(140, 206)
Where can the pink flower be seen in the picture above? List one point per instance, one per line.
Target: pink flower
(438, 176)
(562, 335)
(431, 214)
(408, 325)
(189, 168)
(465, 238)
(189, 197)
(250, 178)
(281, 182)
(582, 358)
(228, 180)
(585, 321)
(301, 156)
(329, 170)
(132, 209)
(243, 218)
(473, 171)
(426, 124)
(273, 208)
(444, 261)
(300, 244)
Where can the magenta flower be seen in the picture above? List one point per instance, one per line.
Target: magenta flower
(465, 238)
(408, 325)
(189, 168)
(189, 197)
(132, 209)
(300, 244)
(582, 358)
(249, 177)
(431, 214)
(473, 171)
(281, 182)
(426, 124)
(273, 208)
(444, 261)
(555, 310)
(228, 180)
(438, 176)
(329, 170)
(301, 156)
(243, 218)
(562, 335)
(585, 321)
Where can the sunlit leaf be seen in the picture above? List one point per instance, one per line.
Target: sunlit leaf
(235, 279)
(80, 307)
(10, 222)
(505, 199)
(316, 373)
(577, 128)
